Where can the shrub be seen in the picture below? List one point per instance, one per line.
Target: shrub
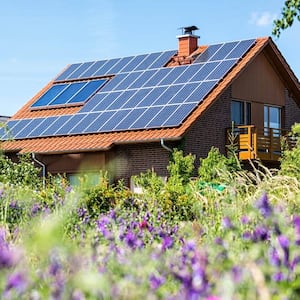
(290, 162)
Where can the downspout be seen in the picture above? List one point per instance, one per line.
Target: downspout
(43, 168)
(164, 146)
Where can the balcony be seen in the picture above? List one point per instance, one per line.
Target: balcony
(259, 143)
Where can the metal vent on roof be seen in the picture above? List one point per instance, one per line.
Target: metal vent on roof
(189, 29)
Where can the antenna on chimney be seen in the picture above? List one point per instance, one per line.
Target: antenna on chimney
(188, 29)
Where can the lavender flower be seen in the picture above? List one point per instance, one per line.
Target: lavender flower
(274, 257)
(284, 243)
(264, 206)
(167, 242)
(245, 220)
(261, 233)
(156, 281)
(16, 281)
(227, 223)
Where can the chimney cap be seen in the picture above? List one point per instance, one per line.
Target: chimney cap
(188, 29)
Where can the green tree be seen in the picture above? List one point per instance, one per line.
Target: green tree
(289, 12)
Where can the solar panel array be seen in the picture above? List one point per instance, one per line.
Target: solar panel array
(141, 95)
(69, 93)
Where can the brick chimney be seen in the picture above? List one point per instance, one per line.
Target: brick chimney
(187, 42)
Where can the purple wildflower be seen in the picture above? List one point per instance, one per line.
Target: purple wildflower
(131, 239)
(16, 281)
(227, 223)
(264, 206)
(7, 258)
(274, 257)
(245, 220)
(156, 281)
(247, 235)
(278, 276)
(296, 222)
(236, 273)
(167, 242)
(1, 192)
(260, 233)
(35, 209)
(218, 241)
(284, 243)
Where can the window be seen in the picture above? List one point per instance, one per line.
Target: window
(272, 117)
(241, 112)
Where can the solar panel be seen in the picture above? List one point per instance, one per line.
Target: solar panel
(133, 63)
(130, 118)
(131, 77)
(114, 120)
(29, 128)
(163, 59)
(69, 124)
(83, 68)
(208, 53)
(38, 130)
(224, 50)
(146, 117)
(106, 67)
(145, 76)
(7, 134)
(151, 97)
(184, 93)
(55, 125)
(204, 71)
(49, 95)
(136, 98)
(148, 61)
(84, 123)
(68, 93)
(93, 69)
(172, 76)
(69, 70)
(168, 94)
(241, 49)
(221, 69)
(160, 117)
(180, 114)
(188, 72)
(123, 98)
(99, 122)
(13, 131)
(87, 91)
(142, 93)
(159, 75)
(120, 64)
(201, 91)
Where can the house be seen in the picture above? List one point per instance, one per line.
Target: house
(3, 119)
(126, 114)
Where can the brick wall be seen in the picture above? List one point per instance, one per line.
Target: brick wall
(210, 129)
(292, 112)
(133, 159)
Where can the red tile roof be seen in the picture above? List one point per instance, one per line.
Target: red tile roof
(104, 141)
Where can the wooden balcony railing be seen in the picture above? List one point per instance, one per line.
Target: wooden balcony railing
(259, 143)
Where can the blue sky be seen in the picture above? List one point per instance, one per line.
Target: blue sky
(39, 38)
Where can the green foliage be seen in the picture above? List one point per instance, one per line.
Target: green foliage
(215, 164)
(290, 161)
(22, 173)
(290, 12)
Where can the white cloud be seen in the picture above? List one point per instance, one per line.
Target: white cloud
(262, 19)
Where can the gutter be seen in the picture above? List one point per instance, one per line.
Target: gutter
(43, 168)
(162, 143)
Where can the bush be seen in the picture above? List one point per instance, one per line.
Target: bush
(290, 162)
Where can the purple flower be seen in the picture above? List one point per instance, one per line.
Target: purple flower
(156, 281)
(218, 241)
(284, 243)
(245, 220)
(264, 206)
(167, 242)
(7, 258)
(236, 273)
(16, 281)
(260, 233)
(131, 239)
(247, 235)
(1, 192)
(35, 209)
(274, 257)
(227, 223)
(278, 276)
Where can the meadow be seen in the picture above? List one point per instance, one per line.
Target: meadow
(226, 233)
